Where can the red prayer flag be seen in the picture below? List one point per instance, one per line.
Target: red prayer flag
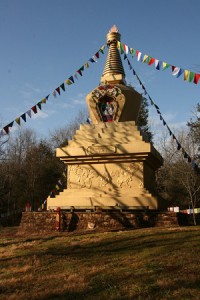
(34, 109)
(152, 60)
(6, 128)
(58, 90)
(196, 78)
(173, 67)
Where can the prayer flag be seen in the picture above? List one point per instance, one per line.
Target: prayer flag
(58, 90)
(186, 75)
(158, 64)
(121, 48)
(196, 78)
(139, 55)
(54, 93)
(18, 121)
(125, 48)
(145, 58)
(165, 65)
(62, 86)
(76, 76)
(71, 79)
(34, 109)
(132, 51)
(23, 117)
(191, 76)
(68, 82)
(29, 113)
(39, 105)
(152, 60)
(44, 101)
(92, 60)
(10, 124)
(6, 128)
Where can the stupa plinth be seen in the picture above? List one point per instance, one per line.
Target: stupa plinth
(109, 163)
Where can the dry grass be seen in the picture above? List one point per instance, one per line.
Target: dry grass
(141, 264)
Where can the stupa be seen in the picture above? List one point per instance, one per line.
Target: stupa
(110, 165)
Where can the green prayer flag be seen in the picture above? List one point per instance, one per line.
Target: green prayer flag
(121, 48)
(165, 65)
(39, 105)
(191, 76)
(63, 86)
(133, 51)
(148, 60)
(101, 50)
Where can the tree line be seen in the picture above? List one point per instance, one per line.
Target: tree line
(29, 169)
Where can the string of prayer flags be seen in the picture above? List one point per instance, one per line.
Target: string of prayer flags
(189, 76)
(179, 146)
(57, 91)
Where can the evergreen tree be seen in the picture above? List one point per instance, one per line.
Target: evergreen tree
(142, 121)
(194, 126)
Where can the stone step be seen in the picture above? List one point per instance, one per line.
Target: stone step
(100, 196)
(104, 141)
(103, 201)
(107, 125)
(128, 134)
(103, 193)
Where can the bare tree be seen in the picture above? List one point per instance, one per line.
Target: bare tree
(59, 137)
(178, 181)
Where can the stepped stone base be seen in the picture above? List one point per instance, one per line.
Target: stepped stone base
(41, 222)
(109, 165)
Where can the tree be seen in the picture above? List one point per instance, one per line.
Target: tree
(142, 121)
(59, 137)
(29, 171)
(178, 181)
(194, 126)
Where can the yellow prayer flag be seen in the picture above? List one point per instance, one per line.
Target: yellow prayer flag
(87, 65)
(164, 64)
(118, 44)
(68, 82)
(18, 121)
(186, 74)
(44, 100)
(103, 47)
(145, 58)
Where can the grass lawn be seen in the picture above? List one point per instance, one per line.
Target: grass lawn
(156, 263)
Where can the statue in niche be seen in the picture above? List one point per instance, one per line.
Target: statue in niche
(106, 108)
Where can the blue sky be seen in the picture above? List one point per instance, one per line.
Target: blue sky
(43, 42)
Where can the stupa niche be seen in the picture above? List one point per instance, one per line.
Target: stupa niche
(109, 163)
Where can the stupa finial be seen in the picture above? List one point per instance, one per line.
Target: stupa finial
(113, 71)
(114, 29)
